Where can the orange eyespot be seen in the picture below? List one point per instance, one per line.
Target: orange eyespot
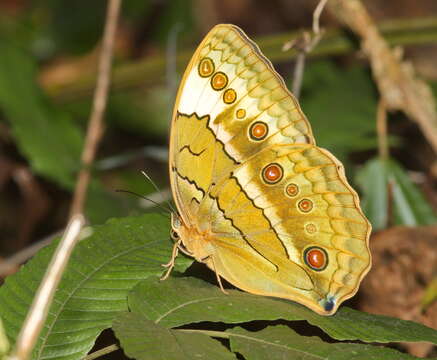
(272, 173)
(229, 96)
(316, 258)
(219, 81)
(292, 190)
(241, 113)
(258, 130)
(310, 228)
(206, 67)
(305, 205)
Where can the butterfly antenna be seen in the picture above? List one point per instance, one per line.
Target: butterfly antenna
(158, 190)
(167, 211)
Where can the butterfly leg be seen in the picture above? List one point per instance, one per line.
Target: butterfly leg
(219, 280)
(170, 264)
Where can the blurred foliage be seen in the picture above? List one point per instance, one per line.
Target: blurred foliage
(59, 21)
(45, 134)
(390, 197)
(340, 101)
(340, 104)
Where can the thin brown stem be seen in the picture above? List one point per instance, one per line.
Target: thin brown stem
(316, 16)
(39, 309)
(95, 126)
(381, 129)
(299, 67)
(304, 46)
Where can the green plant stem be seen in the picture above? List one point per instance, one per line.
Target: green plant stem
(106, 350)
(151, 70)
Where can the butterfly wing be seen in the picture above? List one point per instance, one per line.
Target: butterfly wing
(234, 87)
(259, 202)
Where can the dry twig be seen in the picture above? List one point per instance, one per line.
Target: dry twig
(38, 311)
(381, 128)
(95, 127)
(304, 45)
(396, 80)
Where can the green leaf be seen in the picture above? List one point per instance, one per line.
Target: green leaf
(69, 28)
(103, 268)
(281, 342)
(372, 178)
(142, 339)
(430, 294)
(340, 105)
(182, 301)
(410, 207)
(46, 136)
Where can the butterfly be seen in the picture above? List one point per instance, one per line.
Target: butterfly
(258, 202)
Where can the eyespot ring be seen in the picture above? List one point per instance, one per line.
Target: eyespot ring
(258, 130)
(305, 205)
(219, 81)
(272, 173)
(206, 67)
(316, 258)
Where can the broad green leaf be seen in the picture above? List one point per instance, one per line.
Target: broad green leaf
(46, 136)
(382, 180)
(142, 339)
(281, 342)
(102, 270)
(181, 301)
(430, 294)
(340, 105)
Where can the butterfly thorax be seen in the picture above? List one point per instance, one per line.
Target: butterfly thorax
(196, 243)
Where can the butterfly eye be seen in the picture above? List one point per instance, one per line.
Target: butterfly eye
(174, 235)
(316, 258)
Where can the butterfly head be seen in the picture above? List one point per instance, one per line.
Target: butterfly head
(176, 225)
